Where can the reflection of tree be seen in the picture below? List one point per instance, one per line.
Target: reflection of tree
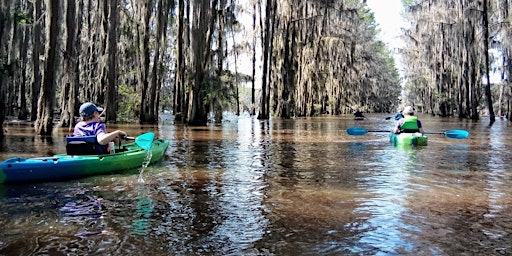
(21, 142)
(283, 152)
(218, 191)
(307, 203)
(198, 195)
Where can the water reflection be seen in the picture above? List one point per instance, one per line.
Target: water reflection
(86, 211)
(141, 222)
(275, 187)
(386, 182)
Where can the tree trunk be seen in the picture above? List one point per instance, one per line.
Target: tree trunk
(111, 103)
(488, 96)
(267, 31)
(162, 15)
(69, 94)
(46, 102)
(24, 95)
(4, 10)
(252, 109)
(38, 48)
(179, 90)
(145, 54)
(202, 28)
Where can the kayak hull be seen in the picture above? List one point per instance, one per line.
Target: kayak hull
(66, 167)
(414, 139)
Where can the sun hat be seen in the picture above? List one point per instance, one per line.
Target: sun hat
(408, 110)
(87, 109)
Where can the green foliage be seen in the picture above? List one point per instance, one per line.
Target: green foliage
(8, 68)
(220, 90)
(23, 17)
(408, 2)
(166, 97)
(3, 66)
(129, 104)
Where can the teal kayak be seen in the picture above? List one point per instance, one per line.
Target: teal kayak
(415, 139)
(66, 167)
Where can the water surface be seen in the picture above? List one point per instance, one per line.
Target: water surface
(280, 187)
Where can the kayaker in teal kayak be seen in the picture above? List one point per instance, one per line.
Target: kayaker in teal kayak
(409, 123)
(399, 114)
(92, 126)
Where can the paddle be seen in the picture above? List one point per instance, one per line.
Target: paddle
(454, 134)
(396, 117)
(144, 140)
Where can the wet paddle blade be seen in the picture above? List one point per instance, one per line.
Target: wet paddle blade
(356, 131)
(145, 140)
(457, 134)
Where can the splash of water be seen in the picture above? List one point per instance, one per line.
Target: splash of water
(145, 164)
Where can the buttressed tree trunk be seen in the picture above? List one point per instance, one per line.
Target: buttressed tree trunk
(202, 26)
(68, 93)
(46, 103)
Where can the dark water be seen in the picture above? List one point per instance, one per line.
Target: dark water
(280, 187)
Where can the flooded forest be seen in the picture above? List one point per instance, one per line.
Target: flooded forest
(198, 59)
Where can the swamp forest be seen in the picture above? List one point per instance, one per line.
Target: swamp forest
(301, 58)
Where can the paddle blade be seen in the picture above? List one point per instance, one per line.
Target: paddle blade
(145, 140)
(356, 131)
(457, 134)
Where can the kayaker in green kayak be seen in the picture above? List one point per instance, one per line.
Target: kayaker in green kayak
(358, 115)
(409, 123)
(90, 125)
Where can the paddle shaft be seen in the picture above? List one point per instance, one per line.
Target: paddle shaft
(390, 131)
(455, 134)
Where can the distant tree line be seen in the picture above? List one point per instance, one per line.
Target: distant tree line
(138, 57)
(448, 62)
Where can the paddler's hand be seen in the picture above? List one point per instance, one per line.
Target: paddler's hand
(121, 133)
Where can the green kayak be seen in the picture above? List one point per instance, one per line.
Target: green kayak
(415, 139)
(65, 167)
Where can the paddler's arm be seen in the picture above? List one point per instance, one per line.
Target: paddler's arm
(105, 138)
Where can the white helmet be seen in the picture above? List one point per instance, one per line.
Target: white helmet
(408, 110)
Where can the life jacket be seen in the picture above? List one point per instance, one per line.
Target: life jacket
(410, 125)
(85, 145)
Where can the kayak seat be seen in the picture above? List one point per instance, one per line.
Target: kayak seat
(121, 149)
(84, 145)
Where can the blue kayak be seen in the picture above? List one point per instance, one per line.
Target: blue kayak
(65, 167)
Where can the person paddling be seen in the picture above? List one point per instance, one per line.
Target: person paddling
(358, 114)
(409, 123)
(92, 126)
